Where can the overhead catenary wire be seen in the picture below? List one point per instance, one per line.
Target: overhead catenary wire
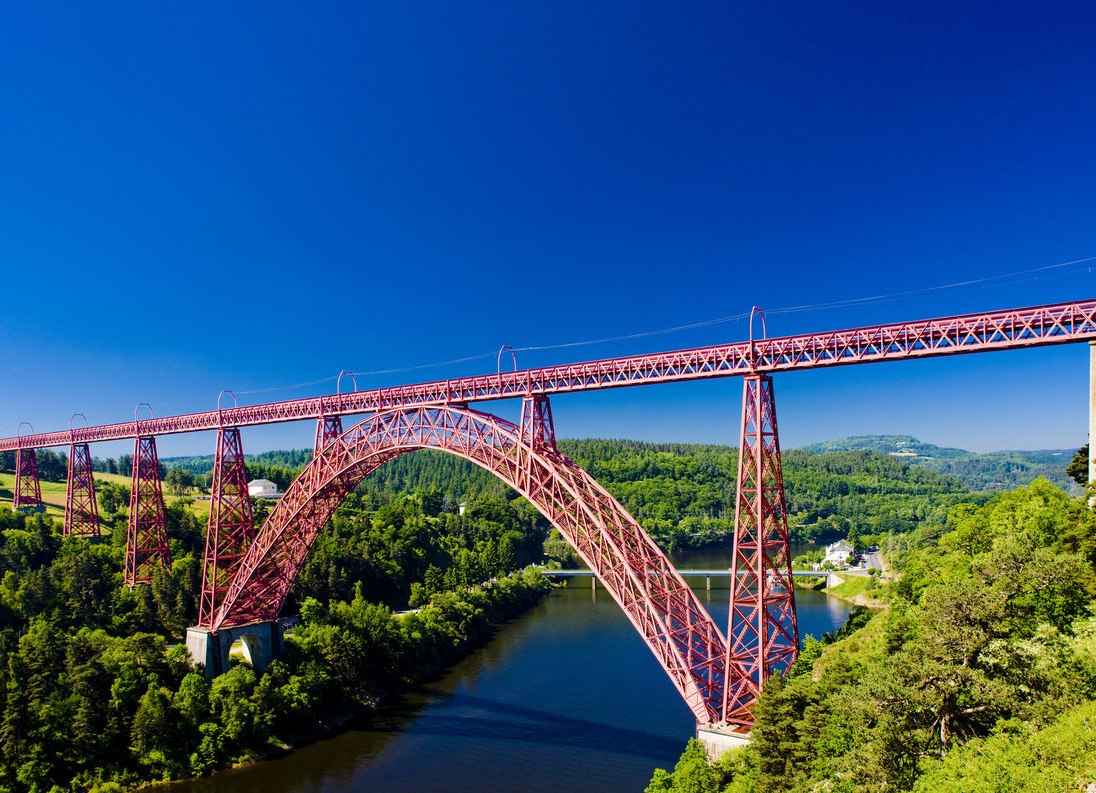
(847, 303)
(1059, 268)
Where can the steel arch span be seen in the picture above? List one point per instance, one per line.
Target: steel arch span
(657, 601)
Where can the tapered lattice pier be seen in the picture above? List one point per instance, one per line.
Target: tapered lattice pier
(146, 535)
(763, 636)
(81, 511)
(28, 492)
(230, 529)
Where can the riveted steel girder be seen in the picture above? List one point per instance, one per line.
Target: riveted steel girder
(146, 535)
(230, 529)
(1008, 329)
(81, 511)
(656, 600)
(763, 633)
(28, 490)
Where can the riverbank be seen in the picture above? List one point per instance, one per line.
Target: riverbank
(566, 696)
(348, 659)
(859, 590)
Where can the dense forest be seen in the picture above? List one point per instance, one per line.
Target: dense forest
(979, 471)
(977, 674)
(97, 693)
(984, 647)
(683, 494)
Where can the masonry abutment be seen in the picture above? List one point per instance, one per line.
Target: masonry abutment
(263, 642)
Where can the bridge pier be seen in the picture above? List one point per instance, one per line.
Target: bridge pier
(81, 510)
(1092, 419)
(762, 631)
(27, 493)
(230, 529)
(146, 533)
(262, 643)
(719, 739)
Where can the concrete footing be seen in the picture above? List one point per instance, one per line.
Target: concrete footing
(719, 740)
(262, 642)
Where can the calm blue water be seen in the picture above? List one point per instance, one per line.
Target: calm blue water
(566, 697)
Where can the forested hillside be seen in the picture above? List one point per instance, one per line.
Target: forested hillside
(985, 644)
(683, 494)
(97, 693)
(986, 471)
(979, 674)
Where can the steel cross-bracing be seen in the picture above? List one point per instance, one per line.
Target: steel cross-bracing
(28, 491)
(81, 511)
(230, 529)
(1061, 323)
(328, 429)
(762, 635)
(658, 602)
(146, 533)
(247, 577)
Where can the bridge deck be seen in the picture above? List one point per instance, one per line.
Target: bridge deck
(1062, 323)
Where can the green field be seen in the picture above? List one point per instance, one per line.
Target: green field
(851, 586)
(53, 494)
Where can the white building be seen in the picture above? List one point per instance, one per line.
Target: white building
(262, 488)
(838, 552)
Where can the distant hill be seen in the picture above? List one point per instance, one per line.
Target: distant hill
(203, 464)
(991, 471)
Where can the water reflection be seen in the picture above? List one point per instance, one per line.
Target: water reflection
(566, 697)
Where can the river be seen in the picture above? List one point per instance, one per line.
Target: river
(565, 697)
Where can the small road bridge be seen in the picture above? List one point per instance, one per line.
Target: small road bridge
(707, 575)
(247, 573)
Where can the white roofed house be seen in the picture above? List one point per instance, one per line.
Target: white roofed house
(262, 488)
(838, 552)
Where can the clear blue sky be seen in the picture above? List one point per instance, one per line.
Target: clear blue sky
(250, 198)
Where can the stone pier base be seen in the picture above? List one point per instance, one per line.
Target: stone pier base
(262, 642)
(718, 740)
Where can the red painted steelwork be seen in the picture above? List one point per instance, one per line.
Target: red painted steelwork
(28, 491)
(656, 600)
(763, 635)
(146, 535)
(328, 429)
(81, 511)
(230, 529)
(998, 330)
(537, 430)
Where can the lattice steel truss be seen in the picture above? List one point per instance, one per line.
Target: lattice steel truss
(1036, 326)
(28, 492)
(146, 535)
(633, 570)
(230, 529)
(81, 511)
(763, 635)
(328, 429)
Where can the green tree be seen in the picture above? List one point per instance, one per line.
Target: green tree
(692, 774)
(157, 734)
(112, 497)
(233, 705)
(179, 480)
(853, 537)
(1078, 466)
